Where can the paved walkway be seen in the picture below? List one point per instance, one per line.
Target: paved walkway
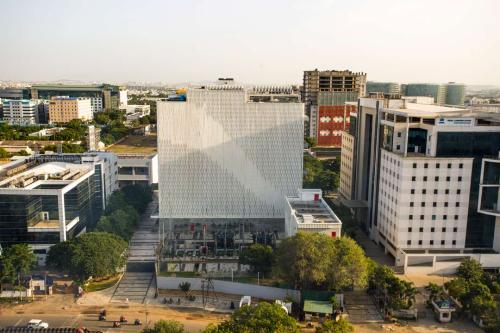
(360, 308)
(138, 280)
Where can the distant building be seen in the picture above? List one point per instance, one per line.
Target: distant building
(137, 169)
(383, 87)
(455, 94)
(412, 173)
(325, 94)
(102, 96)
(229, 152)
(93, 138)
(437, 91)
(63, 109)
(20, 112)
(134, 112)
(15, 93)
(47, 199)
(308, 212)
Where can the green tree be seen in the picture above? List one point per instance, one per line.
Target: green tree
(260, 258)
(59, 256)
(348, 266)
(185, 287)
(7, 271)
(340, 326)
(4, 153)
(263, 318)
(470, 270)
(165, 326)
(138, 195)
(21, 258)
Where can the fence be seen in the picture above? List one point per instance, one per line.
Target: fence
(264, 292)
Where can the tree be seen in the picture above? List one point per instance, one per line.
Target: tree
(4, 153)
(165, 326)
(340, 326)
(22, 259)
(96, 254)
(7, 271)
(260, 258)
(470, 270)
(263, 318)
(185, 287)
(138, 195)
(349, 266)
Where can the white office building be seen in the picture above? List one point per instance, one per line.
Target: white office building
(229, 152)
(20, 112)
(412, 173)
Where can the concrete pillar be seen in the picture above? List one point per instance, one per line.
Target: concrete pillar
(62, 217)
(433, 262)
(496, 237)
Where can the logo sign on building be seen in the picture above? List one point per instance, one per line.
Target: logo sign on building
(455, 121)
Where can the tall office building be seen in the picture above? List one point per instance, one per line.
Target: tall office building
(229, 153)
(46, 199)
(102, 96)
(20, 112)
(455, 94)
(412, 172)
(438, 91)
(383, 87)
(63, 109)
(325, 94)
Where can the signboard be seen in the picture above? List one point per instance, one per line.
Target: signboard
(455, 122)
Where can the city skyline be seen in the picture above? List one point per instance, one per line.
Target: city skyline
(257, 43)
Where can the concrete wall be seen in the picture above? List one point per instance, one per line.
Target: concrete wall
(264, 292)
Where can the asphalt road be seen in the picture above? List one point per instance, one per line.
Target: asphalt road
(89, 321)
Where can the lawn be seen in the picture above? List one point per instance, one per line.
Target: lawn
(135, 144)
(102, 284)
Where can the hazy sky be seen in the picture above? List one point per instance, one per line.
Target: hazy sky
(253, 41)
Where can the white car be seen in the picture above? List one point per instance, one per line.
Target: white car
(37, 323)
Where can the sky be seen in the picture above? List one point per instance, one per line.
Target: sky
(253, 41)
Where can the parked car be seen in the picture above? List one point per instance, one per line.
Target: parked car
(37, 323)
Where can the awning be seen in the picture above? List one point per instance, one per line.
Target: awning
(318, 307)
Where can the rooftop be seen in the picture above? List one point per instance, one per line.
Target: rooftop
(309, 207)
(426, 110)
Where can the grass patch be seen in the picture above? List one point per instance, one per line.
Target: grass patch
(101, 284)
(135, 144)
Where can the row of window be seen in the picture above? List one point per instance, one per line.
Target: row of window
(448, 178)
(431, 242)
(421, 229)
(424, 191)
(422, 217)
(438, 165)
(434, 204)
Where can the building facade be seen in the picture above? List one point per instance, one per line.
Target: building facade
(137, 169)
(325, 94)
(412, 172)
(383, 87)
(229, 152)
(455, 94)
(437, 91)
(20, 112)
(63, 109)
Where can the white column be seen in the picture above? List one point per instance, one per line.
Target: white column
(62, 216)
(496, 237)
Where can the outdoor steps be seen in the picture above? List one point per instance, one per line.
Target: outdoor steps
(360, 308)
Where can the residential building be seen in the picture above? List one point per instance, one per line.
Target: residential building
(325, 94)
(20, 112)
(412, 172)
(46, 199)
(105, 96)
(383, 87)
(229, 152)
(137, 169)
(63, 109)
(455, 94)
(308, 212)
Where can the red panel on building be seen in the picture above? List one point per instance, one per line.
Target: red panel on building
(334, 234)
(316, 196)
(332, 120)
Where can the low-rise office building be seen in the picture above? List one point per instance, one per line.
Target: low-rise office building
(46, 199)
(412, 173)
(137, 169)
(308, 212)
(63, 109)
(20, 112)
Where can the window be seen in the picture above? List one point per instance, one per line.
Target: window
(448, 178)
(408, 242)
(443, 229)
(410, 217)
(414, 165)
(445, 217)
(421, 229)
(436, 178)
(454, 242)
(432, 229)
(425, 178)
(422, 204)
(399, 134)
(457, 204)
(412, 191)
(459, 178)
(411, 204)
(433, 217)
(424, 191)
(419, 242)
(449, 165)
(435, 191)
(456, 217)
(421, 217)
(426, 165)
(409, 229)
(446, 191)
(460, 165)
(455, 229)
(437, 165)
(413, 178)
(398, 147)
(431, 242)
(442, 242)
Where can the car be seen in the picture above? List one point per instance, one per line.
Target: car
(37, 323)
